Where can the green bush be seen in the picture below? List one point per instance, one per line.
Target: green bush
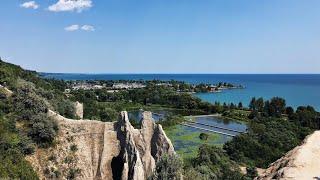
(204, 136)
(73, 172)
(73, 148)
(201, 172)
(65, 107)
(168, 168)
(68, 160)
(26, 145)
(12, 149)
(27, 102)
(43, 130)
(52, 158)
(171, 120)
(14, 166)
(212, 163)
(32, 108)
(252, 172)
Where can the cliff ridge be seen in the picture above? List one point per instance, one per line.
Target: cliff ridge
(89, 149)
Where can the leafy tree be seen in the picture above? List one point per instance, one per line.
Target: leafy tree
(232, 106)
(108, 114)
(253, 114)
(266, 109)
(259, 104)
(240, 106)
(306, 117)
(277, 106)
(168, 168)
(252, 104)
(289, 111)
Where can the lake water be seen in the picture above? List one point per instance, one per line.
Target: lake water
(297, 89)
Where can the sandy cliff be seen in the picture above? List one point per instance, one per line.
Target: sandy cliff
(303, 162)
(88, 149)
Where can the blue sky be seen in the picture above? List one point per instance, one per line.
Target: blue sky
(162, 36)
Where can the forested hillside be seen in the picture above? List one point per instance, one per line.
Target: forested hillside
(24, 125)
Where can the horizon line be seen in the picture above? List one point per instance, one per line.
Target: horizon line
(156, 73)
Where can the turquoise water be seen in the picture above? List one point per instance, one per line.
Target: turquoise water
(295, 94)
(297, 89)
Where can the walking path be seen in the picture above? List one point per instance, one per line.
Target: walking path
(218, 127)
(209, 130)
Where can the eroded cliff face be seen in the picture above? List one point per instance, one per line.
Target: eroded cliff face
(303, 162)
(88, 149)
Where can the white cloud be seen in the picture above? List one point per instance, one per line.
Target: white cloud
(30, 4)
(70, 5)
(74, 27)
(87, 28)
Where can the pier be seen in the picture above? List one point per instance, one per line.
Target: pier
(217, 127)
(209, 130)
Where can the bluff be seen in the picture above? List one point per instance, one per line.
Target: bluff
(300, 163)
(89, 149)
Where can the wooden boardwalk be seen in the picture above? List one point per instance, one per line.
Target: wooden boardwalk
(209, 130)
(208, 115)
(218, 127)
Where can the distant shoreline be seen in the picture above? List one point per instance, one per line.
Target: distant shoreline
(292, 87)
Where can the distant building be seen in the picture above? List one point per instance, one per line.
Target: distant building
(213, 88)
(128, 86)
